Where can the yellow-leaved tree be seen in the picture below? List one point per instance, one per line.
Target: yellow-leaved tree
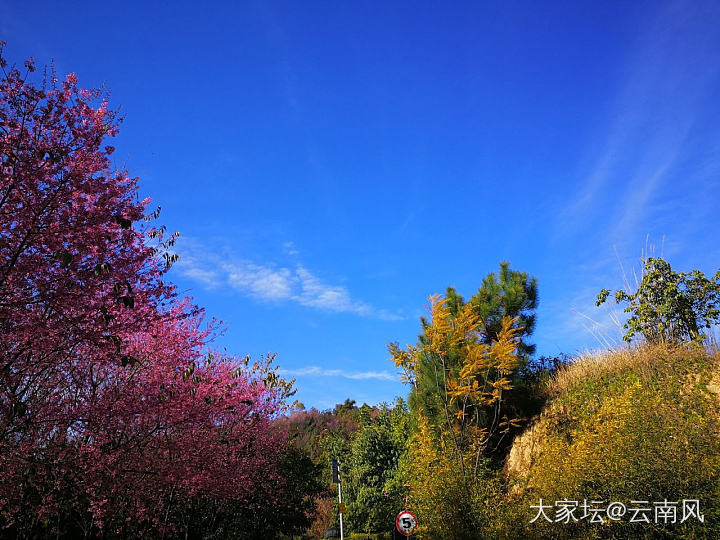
(463, 378)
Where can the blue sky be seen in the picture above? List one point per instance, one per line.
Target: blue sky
(331, 164)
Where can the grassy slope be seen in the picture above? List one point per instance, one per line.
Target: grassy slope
(632, 424)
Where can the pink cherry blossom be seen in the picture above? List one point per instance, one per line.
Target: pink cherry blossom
(113, 407)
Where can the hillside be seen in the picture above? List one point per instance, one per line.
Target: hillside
(637, 424)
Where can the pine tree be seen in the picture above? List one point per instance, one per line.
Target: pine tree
(508, 295)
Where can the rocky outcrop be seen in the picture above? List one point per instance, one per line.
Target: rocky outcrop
(525, 448)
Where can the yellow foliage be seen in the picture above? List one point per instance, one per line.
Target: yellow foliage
(483, 375)
(438, 491)
(445, 467)
(406, 360)
(483, 372)
(441, 328)
(636, 424)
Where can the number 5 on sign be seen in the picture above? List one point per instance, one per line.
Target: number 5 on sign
(406, 522)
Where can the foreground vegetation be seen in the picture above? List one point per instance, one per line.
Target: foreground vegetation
(634, 424)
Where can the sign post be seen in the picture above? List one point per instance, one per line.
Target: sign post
(406, 522)
(336, 479)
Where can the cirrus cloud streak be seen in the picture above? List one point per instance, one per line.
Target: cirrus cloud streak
(323, 372)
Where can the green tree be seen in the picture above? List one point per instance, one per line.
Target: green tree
(509, 294)
(669, 306)
(375, 494)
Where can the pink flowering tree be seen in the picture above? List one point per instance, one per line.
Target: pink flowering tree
(115, 416)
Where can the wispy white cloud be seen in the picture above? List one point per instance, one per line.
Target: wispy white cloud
(290, 248)
(315, 293)
(260, 281)
(273, 283)
(190, 268)
(206, 277)
(317, 371)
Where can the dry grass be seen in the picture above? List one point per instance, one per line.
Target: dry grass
(643, 360)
